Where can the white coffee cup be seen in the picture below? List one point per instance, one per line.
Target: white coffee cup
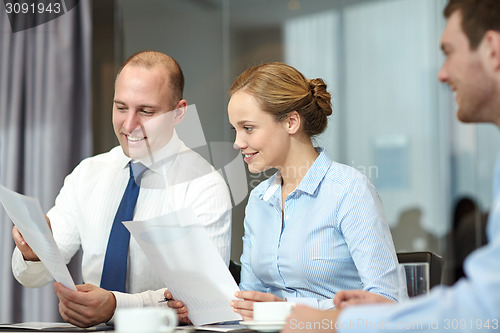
(271, 311)
(145, 320)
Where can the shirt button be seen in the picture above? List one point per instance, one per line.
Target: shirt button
(286, 218)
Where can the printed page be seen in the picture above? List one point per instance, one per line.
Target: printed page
(51, 327)
(29, 218)
(189, 265)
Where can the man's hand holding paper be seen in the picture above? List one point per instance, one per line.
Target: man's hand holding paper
(33, 235)
(88, 306)
(26, 250)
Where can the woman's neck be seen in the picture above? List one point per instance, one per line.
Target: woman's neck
(300, 159)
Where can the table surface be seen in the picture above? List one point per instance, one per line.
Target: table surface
(64, 327)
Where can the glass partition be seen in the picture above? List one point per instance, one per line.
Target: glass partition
(392, 119)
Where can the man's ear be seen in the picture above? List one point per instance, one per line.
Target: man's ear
(180, 111)
(292, 122)
(492, 41)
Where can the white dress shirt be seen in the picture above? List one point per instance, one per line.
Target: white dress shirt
(87, 203)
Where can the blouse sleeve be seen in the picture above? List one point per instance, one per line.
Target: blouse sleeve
(362, 222)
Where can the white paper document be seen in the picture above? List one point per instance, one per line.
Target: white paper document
(29, 218)
(189, 264)
(51, 327)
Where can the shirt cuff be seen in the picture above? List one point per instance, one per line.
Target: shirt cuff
(138, 300)
(29, 273)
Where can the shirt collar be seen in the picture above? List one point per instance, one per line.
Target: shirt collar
(309, 183)
(137, 167)
(316, 173)
(165, 156)
(123, 159)
(274, 185)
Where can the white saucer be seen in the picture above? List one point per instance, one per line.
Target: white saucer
(264, 326)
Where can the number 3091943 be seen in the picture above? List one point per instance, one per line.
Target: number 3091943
(32, 8)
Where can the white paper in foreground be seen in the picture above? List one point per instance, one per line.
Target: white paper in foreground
(189, 264)
(28, 217)
(49, 327)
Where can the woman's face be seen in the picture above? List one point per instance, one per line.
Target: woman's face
(263, 141)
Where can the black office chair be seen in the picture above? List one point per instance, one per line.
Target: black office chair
(436, 264)
(235, 269)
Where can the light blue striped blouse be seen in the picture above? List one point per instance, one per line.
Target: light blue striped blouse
(333, 236)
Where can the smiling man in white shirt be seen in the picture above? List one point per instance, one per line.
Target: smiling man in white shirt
(147, 105)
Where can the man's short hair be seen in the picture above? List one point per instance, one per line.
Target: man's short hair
(150, 59)
(478, 16)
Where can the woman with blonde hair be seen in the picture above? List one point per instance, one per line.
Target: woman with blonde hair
(316, 226)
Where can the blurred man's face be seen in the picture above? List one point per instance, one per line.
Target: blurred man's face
(142, 120)
(464, 71)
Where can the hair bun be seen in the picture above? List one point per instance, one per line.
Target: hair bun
(321, 95)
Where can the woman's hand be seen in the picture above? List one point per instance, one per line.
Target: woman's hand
(245, 306)
(179, 307)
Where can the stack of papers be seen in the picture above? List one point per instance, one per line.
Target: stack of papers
(188, 262)
(51, 327)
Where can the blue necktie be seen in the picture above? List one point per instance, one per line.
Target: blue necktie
(114, 272)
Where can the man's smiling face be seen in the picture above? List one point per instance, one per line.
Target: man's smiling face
(141, 118)
(464, 71)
